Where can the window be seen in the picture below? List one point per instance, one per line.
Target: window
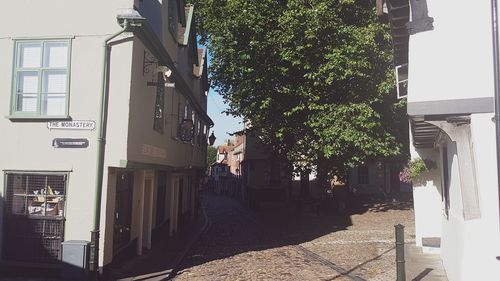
(34, 217)
(41, 75)
(181, 12)
(159, 116)
(363, 177)
(172, 17)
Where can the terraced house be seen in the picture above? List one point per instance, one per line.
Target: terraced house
(103, 107)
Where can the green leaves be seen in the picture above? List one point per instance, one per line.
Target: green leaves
(313, 76)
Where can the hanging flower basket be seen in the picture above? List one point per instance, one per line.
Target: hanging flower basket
(415, 168)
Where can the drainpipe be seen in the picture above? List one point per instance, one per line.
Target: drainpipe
(496, 73)
(101, 144)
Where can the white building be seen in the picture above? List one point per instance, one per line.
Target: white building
(451, 105)
(51, 80)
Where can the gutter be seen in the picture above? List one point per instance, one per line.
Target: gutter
(496, 73)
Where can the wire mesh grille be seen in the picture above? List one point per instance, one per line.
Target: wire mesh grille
(34, 217)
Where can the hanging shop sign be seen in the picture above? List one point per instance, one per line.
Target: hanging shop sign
(72, 125)
(70, 143)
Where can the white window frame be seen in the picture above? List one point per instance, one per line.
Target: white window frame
(401, 82)
(40, 70)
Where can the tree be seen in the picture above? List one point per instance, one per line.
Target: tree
(314, 77)
(211, 154)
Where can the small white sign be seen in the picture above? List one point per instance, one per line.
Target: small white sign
(72, 125)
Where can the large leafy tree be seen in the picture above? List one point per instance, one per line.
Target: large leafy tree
(211, 154)
(314, 77)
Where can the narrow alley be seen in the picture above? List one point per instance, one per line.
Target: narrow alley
(281, 243)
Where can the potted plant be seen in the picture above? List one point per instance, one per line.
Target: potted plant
(415, 168)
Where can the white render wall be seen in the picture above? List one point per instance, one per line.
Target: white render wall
(453, 61)
(427, 197)
(26, 146)
(469, 247)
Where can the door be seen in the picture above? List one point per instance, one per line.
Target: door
(161, 197)
(123, 209)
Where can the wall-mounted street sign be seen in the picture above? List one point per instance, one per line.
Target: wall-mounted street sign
(70, 143)
(72, 125)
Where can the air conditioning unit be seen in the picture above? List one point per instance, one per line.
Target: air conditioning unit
(402, 80)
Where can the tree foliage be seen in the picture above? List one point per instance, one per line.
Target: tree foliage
(314, 77)
(211, 154)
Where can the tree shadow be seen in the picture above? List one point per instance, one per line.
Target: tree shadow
(273, 226)
(373, 203)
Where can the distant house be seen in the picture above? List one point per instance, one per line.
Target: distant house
(264, 176)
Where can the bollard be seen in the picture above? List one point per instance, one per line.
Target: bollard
(400, 252)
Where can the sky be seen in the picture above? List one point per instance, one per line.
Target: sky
(223, 123)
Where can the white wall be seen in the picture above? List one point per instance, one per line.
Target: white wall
(27, 145)
(469, 247)
(453, 61)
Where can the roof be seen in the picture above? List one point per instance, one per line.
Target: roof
(224, 148)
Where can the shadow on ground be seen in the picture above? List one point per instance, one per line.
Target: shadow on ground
(234, 229)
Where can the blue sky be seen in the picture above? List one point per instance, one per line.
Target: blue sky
(223, 124)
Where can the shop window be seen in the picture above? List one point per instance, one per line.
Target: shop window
(34, 217)
(172, 17)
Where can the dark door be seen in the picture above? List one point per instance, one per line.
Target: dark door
(123, 209)
(161, 194)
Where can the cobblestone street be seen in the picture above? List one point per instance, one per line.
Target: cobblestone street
(277, 243)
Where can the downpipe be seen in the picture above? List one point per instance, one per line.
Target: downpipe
(496, 73)
(101, 145)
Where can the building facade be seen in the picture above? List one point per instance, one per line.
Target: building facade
(138, 105)
(447, 67)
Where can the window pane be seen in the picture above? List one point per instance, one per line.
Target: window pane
(54, 81)
(54, 104)
(29, 55)
(55, 54)
(27, 82)
(27, 102)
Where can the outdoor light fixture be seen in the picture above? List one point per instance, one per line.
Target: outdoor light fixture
(211, 139)
(167, 72)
